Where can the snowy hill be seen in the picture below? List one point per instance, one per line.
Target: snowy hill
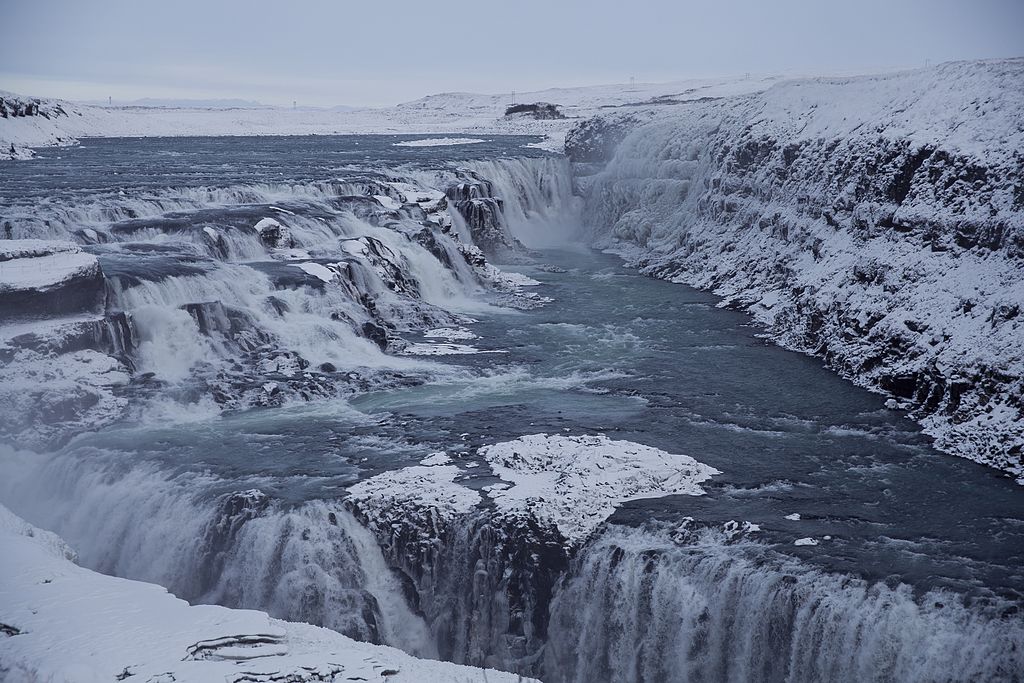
(877, 221)
(447, 112)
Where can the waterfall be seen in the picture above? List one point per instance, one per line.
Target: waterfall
(210, 540)
(204, 295)
(638, 606)
(539, 205)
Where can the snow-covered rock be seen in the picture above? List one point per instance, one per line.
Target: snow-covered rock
(428, 488)
(42, 278)
(576, 482)
(62, 623)
(484, 575)
(877, 221)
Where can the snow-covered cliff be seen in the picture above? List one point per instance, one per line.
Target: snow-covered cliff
(875, 221)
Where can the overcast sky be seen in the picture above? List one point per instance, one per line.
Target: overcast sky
(324, 52)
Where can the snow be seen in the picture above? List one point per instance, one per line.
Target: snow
(576, 482)
(37, 264)
(265, 224)
(73, 625)
(445, 350)
(805, 541)
(449, 333)
(453, 113)
(317, 270)
(387, 202)
(441, 458)
(794, 517)
(15, 249)
(439, 142)
(420, 486)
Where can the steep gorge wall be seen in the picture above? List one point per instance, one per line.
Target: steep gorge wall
(875, 221)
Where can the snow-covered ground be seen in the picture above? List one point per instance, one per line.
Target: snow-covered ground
(466, 113)
(62, 623)
(877, 221)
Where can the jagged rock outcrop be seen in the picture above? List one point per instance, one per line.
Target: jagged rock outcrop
(41, 279)
(875, 221)
(542, 111)
(473, 198)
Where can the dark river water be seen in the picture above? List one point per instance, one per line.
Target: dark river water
(662, 365)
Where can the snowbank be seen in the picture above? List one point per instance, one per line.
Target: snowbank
(60, 622)
(877, 221)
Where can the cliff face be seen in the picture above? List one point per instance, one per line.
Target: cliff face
(875, 221)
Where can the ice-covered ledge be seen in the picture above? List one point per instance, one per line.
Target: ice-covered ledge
(62, 623)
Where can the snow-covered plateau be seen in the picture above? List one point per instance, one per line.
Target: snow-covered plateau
(875, 221)
(62, 623)
(28, 122)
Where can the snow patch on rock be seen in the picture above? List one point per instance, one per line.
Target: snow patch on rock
(39, 264)
(414, 488)
(576, 482)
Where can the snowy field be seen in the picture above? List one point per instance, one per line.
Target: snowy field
(464, 113)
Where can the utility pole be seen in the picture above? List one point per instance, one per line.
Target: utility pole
(110, 100)
(632, 82)
(513, 97)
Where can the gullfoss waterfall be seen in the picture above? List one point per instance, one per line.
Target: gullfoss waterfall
(608, 484)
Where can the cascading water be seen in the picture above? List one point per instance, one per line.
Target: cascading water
(638, 606)
(539, 205)
(209, 542)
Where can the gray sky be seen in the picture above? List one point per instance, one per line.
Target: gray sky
(323, 52)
